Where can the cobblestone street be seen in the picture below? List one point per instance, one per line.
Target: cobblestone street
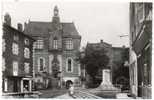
(63, 94)
(85, 94)
(51, 93)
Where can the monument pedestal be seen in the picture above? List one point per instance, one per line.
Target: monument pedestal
(106, 87)
(106, 81)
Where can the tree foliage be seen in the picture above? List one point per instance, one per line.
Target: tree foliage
(94, 60)
(121, 70)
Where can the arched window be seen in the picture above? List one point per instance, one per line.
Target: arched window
(55, 43)
(41, 64)
(69, 65)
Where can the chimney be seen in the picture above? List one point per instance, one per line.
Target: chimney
(7, 19)
(19, 25)
(101, 41)
(124, 46)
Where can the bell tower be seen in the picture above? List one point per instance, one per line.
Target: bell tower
(55, 18)
(56, 11)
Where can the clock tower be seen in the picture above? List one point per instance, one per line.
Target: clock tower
(55, 18)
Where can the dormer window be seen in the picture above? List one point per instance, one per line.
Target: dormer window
(55, 43)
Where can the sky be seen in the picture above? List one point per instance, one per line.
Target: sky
(94, 21)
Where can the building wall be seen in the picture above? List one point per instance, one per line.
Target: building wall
(141, 44)
(9, 56)
(55, 57)
(8, 35)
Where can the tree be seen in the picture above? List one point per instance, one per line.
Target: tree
(94, 60)
(121, 70)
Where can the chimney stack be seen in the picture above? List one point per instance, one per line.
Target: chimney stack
(101, 41)
(124, 46)
(7, 19)
(19, 25)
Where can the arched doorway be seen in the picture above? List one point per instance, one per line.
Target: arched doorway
(68, 82)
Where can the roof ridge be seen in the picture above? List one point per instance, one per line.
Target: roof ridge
(39, 22)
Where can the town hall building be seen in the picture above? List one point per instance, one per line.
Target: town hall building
(55, 52)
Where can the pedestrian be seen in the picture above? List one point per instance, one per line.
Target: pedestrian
(71, 89)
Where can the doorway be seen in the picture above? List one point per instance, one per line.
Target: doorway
(68, 82)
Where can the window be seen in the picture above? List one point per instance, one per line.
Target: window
(79, 69)
(3, 64)
(15, 38)
(39, 44)
(69, 44)
(145, 73)
(15, 68)
(15, 48)
(147, 64)
(55, 43)
(26, 67)
(41, 64)
(140, 12)
(5, 84)
(139, 17)
(149, 16)
(26, 41)
(26, 53)
(69, 65)
(3, 45)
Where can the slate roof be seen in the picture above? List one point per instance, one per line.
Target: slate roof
(17, 31)
(69, 29)
(39, 28)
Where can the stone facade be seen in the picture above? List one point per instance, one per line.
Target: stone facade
(140, 49)
(17, 58)
(57, 45)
